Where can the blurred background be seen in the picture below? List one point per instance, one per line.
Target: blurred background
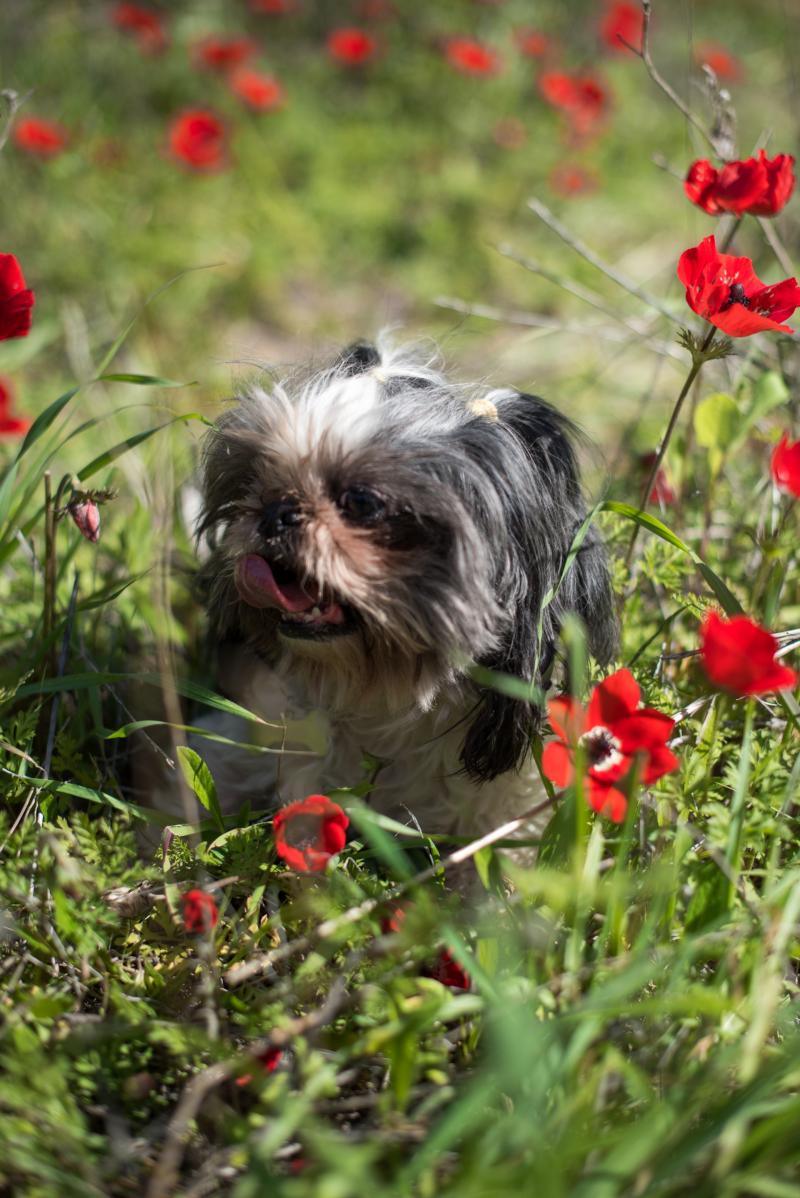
(337, 167)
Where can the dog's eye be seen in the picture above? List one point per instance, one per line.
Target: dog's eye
(361, 505)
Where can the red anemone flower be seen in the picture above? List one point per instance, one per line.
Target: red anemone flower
(662, 492)
(352, 47)
(785, 466)
(270, 1060)
(16, 300)
(622, 22)
(11, 426)
(260, 92)
(739, 656)
(144, 24)
(44, 139)
(197, 138)
(309, 832)
(224, 53)
(571, 179)
(756, 186)
(447, 971)
(471, 57)
(724, 64)
(274, 8)
(612, 732)
(200, 912)
(726, 291)
(582, 98)
(533, 44)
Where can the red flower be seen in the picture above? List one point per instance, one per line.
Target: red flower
(448, 971)
(569, 179)
(10, 425)
(739, 656)
(663, 492)
(758, 186)
(86, 515)
(785, 466)
(309, 832)
(200, 912)
(583, 99)
(270, 1059)
(44, 139)
(197, 137)
(612, 731)
(145, 25)
(533, 44)
(722, 63)
(352, 47)
(726, 291)
(258, 91)
(470, 57)
(622, 22)
(274, 8)
(224, 53)
(16, 300)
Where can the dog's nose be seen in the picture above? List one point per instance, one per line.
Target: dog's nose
(279, 517)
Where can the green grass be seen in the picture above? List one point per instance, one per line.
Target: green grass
(631, 1026)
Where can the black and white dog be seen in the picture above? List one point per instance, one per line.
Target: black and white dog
(375, 530)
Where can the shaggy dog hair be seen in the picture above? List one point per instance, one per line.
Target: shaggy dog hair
(376, 531)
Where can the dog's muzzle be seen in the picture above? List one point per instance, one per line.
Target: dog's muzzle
(306, 610)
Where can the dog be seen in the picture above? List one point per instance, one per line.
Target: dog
(374, 532)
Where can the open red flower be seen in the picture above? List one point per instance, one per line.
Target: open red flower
(582, 98)
(309, 832)
(533, 43)
(43, 139)
(739, 656)
(259, 92)
(197, 138)
(612, 732)
(16, 300)
(200, 912)
(270, 1060)
(724, 64)
(447, 970)
(785, 466)
(726, 291)
(224, 53)
(471, 57)
(144, 24)
(352, 47)
(11, 426)
(622, 22)
(755, 186)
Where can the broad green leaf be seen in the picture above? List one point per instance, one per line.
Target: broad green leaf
(717, 424)
(200, 779)
(769, 391)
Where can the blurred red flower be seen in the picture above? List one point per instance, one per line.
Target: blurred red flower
(785, 466)
(11, 426)
(663, 492)
(612, 732)
(582, 98)
(16, 300)
(726, 291)
(755, 186)
(352, 47)
(510, 133)
(44, 139)
(270, 1059)
(571, 179)
(722, 62)
(274, 8)
(258, 91)
(197, 138)
(224, 53)
(739, 656)
(309, 832)
(376, 10)
(144, 23)
(447, 971)
(471, 57)
(533, 44)
(86, 515)
(622, 22)
(200, 912)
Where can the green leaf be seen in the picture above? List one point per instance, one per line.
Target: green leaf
(558, 838)
(201, 781)
(142, 380)
(111, 455)
(769, 391)
(43, 421)
(717, 424)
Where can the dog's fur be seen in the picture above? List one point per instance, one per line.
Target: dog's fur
(431, 522)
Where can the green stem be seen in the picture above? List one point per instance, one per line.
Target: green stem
(733, 851)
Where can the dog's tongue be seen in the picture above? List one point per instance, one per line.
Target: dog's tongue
(258, 587)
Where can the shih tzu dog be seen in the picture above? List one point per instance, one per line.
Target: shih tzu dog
(375, 531)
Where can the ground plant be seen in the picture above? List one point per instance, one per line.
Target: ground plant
(593, 199)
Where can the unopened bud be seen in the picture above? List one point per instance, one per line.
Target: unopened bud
(86, 515)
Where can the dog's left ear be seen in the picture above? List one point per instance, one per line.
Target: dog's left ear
(529, 451)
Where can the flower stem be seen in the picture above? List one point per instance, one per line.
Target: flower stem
(733, 851)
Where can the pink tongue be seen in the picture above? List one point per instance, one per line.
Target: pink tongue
(257, 586)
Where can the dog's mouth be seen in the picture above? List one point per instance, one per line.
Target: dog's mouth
(306, 610)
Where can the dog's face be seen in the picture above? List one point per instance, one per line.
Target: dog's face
(376, 534)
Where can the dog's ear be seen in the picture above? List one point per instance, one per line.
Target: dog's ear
(357, 358)
(536, 471)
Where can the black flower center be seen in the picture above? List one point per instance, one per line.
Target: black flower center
(602, 748)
